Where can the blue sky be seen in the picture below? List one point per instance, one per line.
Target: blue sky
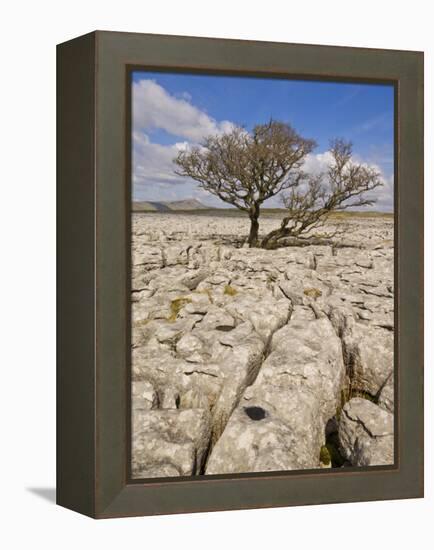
(171, 111)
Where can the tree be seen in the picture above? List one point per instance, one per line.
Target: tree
(342, 186)
(245, 169)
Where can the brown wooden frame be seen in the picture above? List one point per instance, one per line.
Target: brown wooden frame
(93, 382)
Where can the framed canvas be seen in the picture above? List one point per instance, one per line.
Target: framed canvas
(240, 274)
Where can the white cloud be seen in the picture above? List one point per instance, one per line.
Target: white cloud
(154, 107)
(317, 163)
(154, 177)
(153, 167)
(383, 196)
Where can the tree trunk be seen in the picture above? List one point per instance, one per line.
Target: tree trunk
(271, 239)
(253, 235)
(254, 226)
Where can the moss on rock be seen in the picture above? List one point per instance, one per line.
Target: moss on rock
(312, 292)
(176, 306)
(230, 290)
(324, 455)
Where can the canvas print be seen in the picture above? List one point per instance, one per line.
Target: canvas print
(262, 275)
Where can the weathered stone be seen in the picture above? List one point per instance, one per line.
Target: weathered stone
(252, 339)
(189, 345)
(143, 395)
(148, 257)
(386, 398)
(176, 254)
(266, 314)
(271, 443)
(369, 356)
(192, 278)
(218, 319)
(308, 354)
(366, 433)
(298, 388)
(169, 442)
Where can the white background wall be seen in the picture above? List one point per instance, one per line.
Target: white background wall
(29, 32)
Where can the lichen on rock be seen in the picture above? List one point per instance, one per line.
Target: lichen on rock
(250, 360)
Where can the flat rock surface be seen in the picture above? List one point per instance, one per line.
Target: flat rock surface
(169, 442)
(366, 433)
(219, 329)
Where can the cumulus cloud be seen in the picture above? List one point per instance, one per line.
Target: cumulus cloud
(384, 196)
(153, 168)
(319, 162)
(154, 177)
(155, 108)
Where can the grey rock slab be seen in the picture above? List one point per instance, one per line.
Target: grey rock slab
(308, 354)
(210, 331)
(366, 433)
(189, 344)
(386, 397)
(176, 254)
(218, 319)
(193, 277)
(143, 395)
(265, 314)
(266, 442)
(169, 442)
(369, 355)
(297, 390)
(147, 257)
(200, 366)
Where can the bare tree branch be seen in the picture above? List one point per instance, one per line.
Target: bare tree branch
(341, 187)
(245, 169)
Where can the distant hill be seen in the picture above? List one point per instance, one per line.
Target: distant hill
(168, 206)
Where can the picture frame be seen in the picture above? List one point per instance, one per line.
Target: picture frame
(93, 175)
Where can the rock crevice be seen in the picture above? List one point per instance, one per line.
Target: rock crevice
(249, 360)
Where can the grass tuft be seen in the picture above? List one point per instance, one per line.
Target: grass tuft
(363, 394)
(324, 455)
(176, 306)
(312, 292)
(142, 322)
(230, 290)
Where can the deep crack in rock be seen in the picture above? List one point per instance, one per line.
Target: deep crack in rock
(295, 332)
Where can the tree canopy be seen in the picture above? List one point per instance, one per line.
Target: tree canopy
(343, 185)
(245, 169)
